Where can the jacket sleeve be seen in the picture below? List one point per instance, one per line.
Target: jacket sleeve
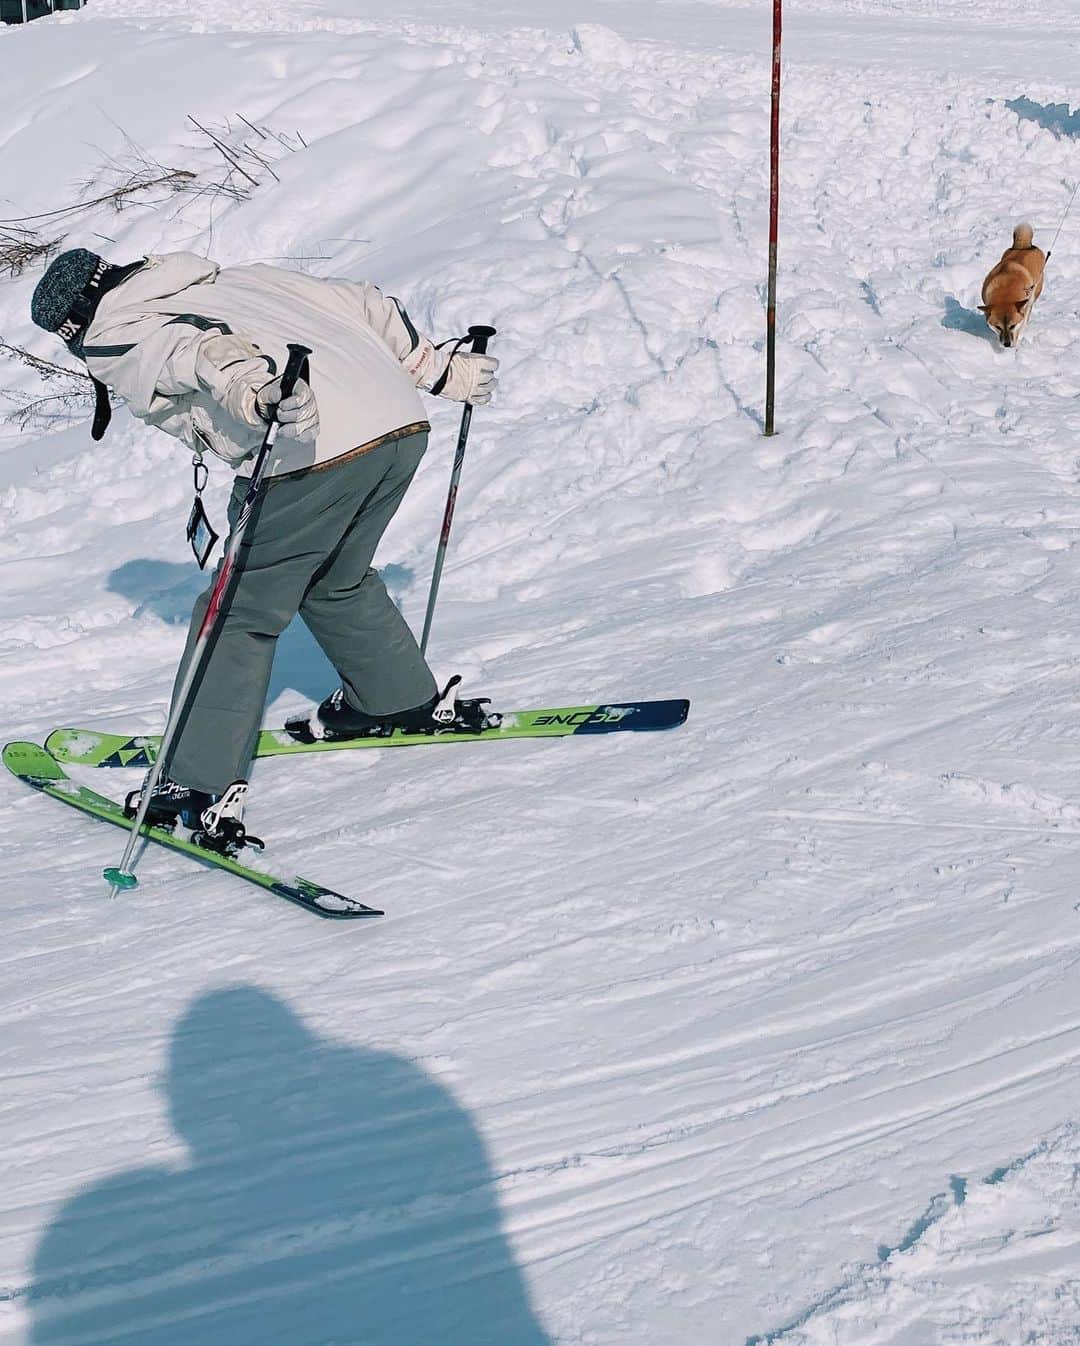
(423, 361)
(149, 364)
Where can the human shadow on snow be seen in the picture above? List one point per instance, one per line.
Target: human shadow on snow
(332, 1196)
(169, 591)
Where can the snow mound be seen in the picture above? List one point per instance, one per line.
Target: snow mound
(601, 45)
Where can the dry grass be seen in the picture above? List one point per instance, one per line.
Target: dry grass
(134, 177)
(20, 248)
(244, 153)
(73, 391)
(248, 152)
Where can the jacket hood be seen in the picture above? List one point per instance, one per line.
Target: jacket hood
(160, 277)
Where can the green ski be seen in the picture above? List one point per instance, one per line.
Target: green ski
(38, 769)
(87, 747)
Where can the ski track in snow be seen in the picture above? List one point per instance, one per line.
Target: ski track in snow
(761, 1030)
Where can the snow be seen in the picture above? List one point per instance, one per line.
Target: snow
(763, 1029)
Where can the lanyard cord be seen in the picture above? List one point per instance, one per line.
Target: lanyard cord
(1064, 217)
(441, 381)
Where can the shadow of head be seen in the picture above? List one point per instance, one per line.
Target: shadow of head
(238, 1061)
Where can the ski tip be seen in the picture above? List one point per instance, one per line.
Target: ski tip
(324, 901)
(31, 763)
(119, 878)
(632, 715)
(56, 738)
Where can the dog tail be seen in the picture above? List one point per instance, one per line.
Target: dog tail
(1022, 236)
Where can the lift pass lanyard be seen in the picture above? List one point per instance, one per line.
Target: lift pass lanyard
(200, 531)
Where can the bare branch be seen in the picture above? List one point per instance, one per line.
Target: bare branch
(46, 370)
(230, 156)
(20, 248)
(261, 134)
(73, 396)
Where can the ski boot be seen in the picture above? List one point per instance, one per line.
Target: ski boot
(216, 820)
(337, 721)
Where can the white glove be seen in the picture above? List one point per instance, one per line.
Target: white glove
(297, 415)
(472, 378)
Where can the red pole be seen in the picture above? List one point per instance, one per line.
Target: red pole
(774, 223)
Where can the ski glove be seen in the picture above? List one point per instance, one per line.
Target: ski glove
(471, 378)
(298, 415)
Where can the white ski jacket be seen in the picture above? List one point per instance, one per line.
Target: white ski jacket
(187, 346)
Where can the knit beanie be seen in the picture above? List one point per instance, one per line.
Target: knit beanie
(64, 289)
(65, 301)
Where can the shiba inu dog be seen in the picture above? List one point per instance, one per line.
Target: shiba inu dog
(1012, 287)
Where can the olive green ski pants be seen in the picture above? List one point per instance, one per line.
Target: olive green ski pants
(308, 549)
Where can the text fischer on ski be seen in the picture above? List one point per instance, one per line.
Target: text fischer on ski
(197, 351)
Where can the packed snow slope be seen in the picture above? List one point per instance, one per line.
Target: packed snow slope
(766, 1029)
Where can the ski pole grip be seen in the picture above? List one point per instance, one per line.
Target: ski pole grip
(480, 336)
(294, 368)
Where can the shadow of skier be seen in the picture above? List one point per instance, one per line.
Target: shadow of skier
(169, 591)
(333, 1197)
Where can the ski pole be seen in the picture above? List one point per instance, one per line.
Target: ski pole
(123, 875)
(480, 336)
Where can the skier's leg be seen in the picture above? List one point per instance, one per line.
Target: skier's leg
(300, 523)
(349, 611)
(217, 736)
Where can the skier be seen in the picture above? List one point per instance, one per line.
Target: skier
(196, 351)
